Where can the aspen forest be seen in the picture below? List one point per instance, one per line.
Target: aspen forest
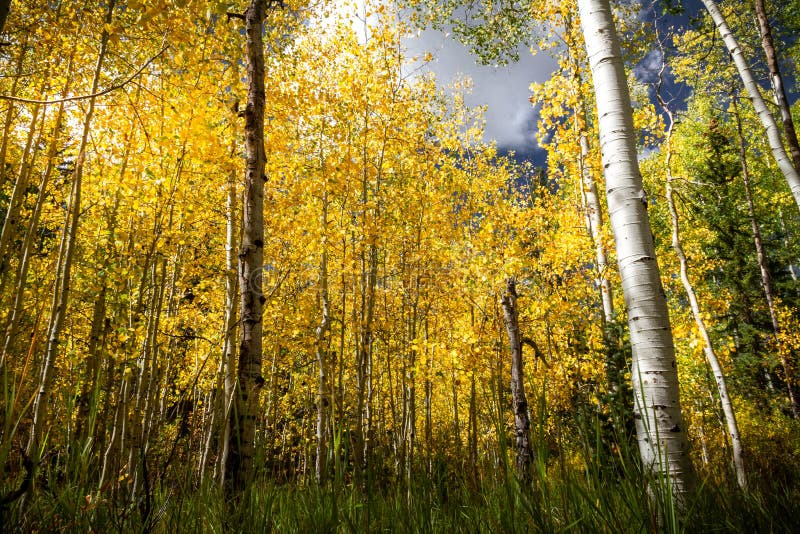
(263, 270)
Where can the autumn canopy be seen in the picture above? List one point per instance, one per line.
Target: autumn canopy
(258, 266)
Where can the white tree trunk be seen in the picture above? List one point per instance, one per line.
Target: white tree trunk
(737, 449)
(594, 225)
(323, 397)
(767, 120)
(660, 430)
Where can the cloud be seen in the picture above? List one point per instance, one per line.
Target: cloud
(504, 90)
(646, 71)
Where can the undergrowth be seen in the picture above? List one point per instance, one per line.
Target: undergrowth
(591, 500)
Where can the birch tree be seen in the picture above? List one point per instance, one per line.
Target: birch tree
(239, 468)
(761, 255)
(737, 448)
(660, 430)
(785, 165)
(776, 81)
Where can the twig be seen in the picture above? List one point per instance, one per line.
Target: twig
(86, 97)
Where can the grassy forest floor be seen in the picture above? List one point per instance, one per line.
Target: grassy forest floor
(582, 502)
(587, 490)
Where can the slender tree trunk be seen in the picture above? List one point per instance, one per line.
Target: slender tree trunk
(522, 422)
(369, 271)
(657, 410)
(792, 268)
(410, 392)
(240, 468)
(90, 386)
(111, 461)
(615, 363)
(11, 222)
(776, 80)
(766, 278)
(229, 344)
(456, 416)
(473, 430)
(12, 319)
(323, 398)
(148, 383)
(767, 120)
(593, 210)
(66, 255)
(737, 449)
(428, 406)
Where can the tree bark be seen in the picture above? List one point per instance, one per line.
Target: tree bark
(239, 468)
(522, 422)
(229, 345)
(90, 387)
(593, 210)
(11, 321)
(788, 170)
(660, 430)
(11, 222)
(12, 111)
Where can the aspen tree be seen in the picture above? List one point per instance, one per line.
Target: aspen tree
(228, 363)
(615, 360)
(61, 291)
(12, 319)
(321, 350)
(776, 80)
(790, 173)
(100, 323)
(589, 194)
(12, 111)
(732, 426)
(660, 429)
(239, 468)
(11, 222)
(522, 422)
(98, 331)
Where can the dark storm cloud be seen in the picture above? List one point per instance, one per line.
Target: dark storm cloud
(510, 118)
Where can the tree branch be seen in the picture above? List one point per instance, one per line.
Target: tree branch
(94, 95)
(537, 353)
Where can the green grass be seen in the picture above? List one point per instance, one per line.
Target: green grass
(580, 484)
(578, 502)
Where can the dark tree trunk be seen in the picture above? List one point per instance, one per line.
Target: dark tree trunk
(239, 468)
(522, 423)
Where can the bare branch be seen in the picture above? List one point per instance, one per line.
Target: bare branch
(94, 95)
